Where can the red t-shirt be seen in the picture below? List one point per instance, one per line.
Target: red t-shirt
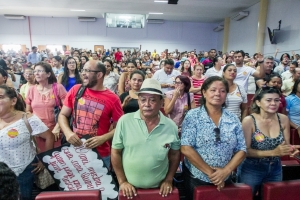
(118, 56)
(95, 110)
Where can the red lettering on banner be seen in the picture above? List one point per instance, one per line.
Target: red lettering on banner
(83, 159)
(77, 166)
(68, 153)
(68, 183)
(86, 180)
(77, 184)
(59, 158)
(55, 166)
(94, 175)
(69, 172)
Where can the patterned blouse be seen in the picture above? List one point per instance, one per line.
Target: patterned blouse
(198, 132)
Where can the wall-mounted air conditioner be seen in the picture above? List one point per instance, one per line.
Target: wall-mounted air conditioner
(218, 28)
(14, 16)
(240, 15)
(87, 19)
(155, 21)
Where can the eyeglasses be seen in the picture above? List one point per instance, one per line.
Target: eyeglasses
(26, 74)
(88, 71)
(107, 65)
(177, 83)
(217, 135)
(38, 71)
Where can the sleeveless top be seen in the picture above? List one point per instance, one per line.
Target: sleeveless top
(262, 142)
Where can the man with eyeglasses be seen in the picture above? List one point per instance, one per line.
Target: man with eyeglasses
(97, 109)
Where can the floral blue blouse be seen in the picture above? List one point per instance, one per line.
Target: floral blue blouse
(198, 132)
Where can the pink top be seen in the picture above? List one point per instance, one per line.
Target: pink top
(181, 105)
(43, 107)
(196, 84)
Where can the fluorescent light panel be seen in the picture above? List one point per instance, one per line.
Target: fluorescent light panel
(153, 13)
(160, 1)
(75, 10)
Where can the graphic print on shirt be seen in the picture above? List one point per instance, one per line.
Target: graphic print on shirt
(88, 115)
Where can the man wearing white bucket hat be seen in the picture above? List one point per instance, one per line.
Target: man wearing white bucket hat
(142, 142)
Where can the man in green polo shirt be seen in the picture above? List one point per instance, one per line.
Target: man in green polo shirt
(145, 148)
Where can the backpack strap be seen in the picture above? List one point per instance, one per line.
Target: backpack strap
(79, 94)
(189, 101)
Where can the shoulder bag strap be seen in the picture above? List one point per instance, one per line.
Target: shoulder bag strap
(189, 101)
(54, 88)
(24, 117)
(77, 97)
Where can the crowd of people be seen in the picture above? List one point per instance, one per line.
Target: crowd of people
(143, 109)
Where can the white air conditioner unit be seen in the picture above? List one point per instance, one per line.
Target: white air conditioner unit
(240, 15)
(14, 16)
(155, 21)
(87, 19)
(218, 28)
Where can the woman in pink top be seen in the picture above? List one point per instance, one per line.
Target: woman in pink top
(176, 101)
(40, 100)
(196, 82)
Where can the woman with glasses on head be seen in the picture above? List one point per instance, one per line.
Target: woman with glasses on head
(124, 85)
(212, 139)
(179, 100)
(111, 79)
(196, 82)
(71, 75)
(29, 77)
(236, 101)
(129, 99)
(41, 100)
(17, 148)
(267, 135)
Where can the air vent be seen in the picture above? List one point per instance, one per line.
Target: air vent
(14, 16)
(155, 21)
(172, 1)
(87, 19)
(240, 15)
(218, 28)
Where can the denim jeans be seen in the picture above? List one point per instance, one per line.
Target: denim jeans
(26, 180)
(106, 161)
(254, 172)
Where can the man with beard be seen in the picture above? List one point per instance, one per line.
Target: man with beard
(96, 110)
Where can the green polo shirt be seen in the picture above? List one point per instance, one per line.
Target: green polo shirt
(145, 155)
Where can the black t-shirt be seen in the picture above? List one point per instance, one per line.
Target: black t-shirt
(132, 105)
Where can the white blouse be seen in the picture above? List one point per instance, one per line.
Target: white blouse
(17, 149)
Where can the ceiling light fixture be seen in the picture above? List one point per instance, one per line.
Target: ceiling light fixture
(74, 10)
(160, 1)
(152, 13)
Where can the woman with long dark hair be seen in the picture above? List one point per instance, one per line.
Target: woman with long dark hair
(71, 75)
(124, 85)
(186, 69)
(84, 59)
(267, 135)
(17, 149)
(179, 100)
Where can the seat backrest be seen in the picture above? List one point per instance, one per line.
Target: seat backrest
(152, 194)
(70, 195)
(282, 190)
(294, 137)
(231, 192)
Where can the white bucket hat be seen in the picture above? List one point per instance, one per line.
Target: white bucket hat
(151, 86)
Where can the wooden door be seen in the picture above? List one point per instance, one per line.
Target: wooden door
(96, 47)
(42, 47)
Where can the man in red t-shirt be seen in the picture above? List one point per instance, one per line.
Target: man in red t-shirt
(97, 107)
(118, 55)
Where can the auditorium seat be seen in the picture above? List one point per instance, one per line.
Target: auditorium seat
(236, 191)
(281, 190)
(290, 169)
(70, 195)
(152, 194)
(294, 137)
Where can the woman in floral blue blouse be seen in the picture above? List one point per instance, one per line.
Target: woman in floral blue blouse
(212, 139)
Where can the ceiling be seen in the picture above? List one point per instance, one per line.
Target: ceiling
(186, 10)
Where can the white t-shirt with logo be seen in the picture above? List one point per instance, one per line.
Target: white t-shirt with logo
(242, 76)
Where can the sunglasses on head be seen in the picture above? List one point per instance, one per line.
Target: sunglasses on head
(217, 135)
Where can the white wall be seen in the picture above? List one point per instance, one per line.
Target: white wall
(243, 33)
(69, 31)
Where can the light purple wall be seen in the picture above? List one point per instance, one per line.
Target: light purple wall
(57, 31)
